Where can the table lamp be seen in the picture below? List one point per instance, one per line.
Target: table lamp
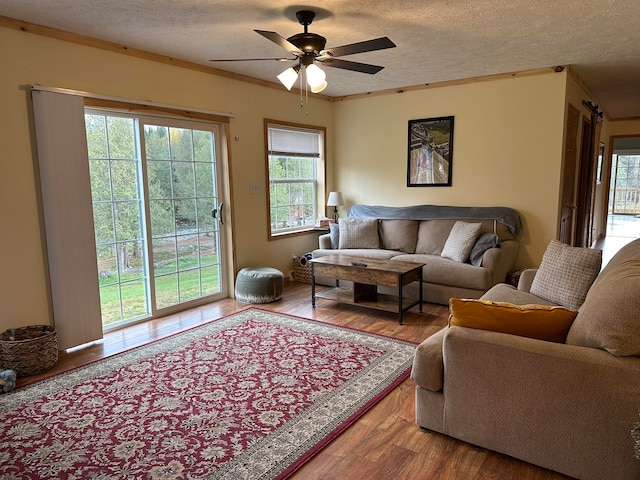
(335, 200)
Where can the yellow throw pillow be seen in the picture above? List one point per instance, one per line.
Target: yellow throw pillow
(543, 322)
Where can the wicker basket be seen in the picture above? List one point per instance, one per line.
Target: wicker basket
(302, 273)
(29, 350)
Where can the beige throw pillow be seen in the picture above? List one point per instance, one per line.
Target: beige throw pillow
(461, 240)
(566, 274)
(358, 233)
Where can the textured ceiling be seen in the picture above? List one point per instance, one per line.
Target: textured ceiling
(437, 40)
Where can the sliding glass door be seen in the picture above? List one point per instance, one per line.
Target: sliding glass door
(181, 172)
(155, 190)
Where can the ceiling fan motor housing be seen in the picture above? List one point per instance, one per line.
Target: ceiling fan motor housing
(308, 42)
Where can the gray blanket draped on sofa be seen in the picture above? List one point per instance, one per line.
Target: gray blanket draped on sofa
(506, 215)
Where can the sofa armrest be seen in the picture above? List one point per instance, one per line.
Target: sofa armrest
(526, 279)
(324, 241)
(428, 367)
(549, 352)
(501, 260)
(564, 407)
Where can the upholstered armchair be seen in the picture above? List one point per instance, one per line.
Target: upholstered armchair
(569, 402)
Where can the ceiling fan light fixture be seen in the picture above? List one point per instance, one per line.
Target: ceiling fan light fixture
(316, 77)
(319, 88)
(289, 76)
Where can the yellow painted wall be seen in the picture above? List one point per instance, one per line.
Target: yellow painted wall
(30, 59)
(624, 128)
(507, 150)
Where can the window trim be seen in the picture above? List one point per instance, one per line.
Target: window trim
(321, 171)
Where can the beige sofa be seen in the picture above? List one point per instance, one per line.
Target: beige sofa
(420, 234)
(569, 407)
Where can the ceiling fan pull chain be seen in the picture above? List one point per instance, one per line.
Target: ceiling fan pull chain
(301, 82)
(306, 91)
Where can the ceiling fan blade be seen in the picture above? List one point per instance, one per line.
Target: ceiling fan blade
(360, 47)
(355, 66)
(280, 40)
(278, 59)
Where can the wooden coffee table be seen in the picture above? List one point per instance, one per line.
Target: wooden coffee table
(367, 274)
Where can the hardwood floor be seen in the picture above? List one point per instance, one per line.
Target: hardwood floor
(385, 443)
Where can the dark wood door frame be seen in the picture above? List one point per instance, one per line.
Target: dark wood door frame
(585, 192)
(569, 188)
(586, 178)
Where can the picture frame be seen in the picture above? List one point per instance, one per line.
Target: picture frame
(430, 152)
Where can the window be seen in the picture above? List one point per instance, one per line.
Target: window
(295, 174)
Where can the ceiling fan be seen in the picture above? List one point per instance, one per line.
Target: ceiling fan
(309, 48)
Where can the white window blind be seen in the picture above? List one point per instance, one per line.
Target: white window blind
(293, 143)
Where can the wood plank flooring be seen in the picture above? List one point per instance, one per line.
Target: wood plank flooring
(385, 443)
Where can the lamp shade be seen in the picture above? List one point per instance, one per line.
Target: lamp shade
(315, 76)
(289, 76)
(335, 199)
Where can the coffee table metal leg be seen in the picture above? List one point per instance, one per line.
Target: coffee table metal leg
(400, 300)
(420, 288)
(313, 287)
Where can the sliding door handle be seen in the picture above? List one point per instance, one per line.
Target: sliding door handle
(214, 213)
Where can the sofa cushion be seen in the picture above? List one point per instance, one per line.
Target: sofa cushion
(358, 233)
(399, 235)
(503, 292)
(609, 318)
(444, 271)
(461, 240)
(432, 234)
(484, 242)
(566, 273)
(543, 322)
(428, 366)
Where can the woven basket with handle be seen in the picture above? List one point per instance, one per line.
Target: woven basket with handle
(29, 350)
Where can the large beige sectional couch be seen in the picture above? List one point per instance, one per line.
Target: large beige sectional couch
(420, 234)
(566, 405)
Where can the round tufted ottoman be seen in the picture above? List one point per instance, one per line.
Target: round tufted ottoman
(259, 285)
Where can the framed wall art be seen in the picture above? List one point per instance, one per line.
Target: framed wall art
(430, 152)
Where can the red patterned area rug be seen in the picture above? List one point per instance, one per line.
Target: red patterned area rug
(250, 396)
